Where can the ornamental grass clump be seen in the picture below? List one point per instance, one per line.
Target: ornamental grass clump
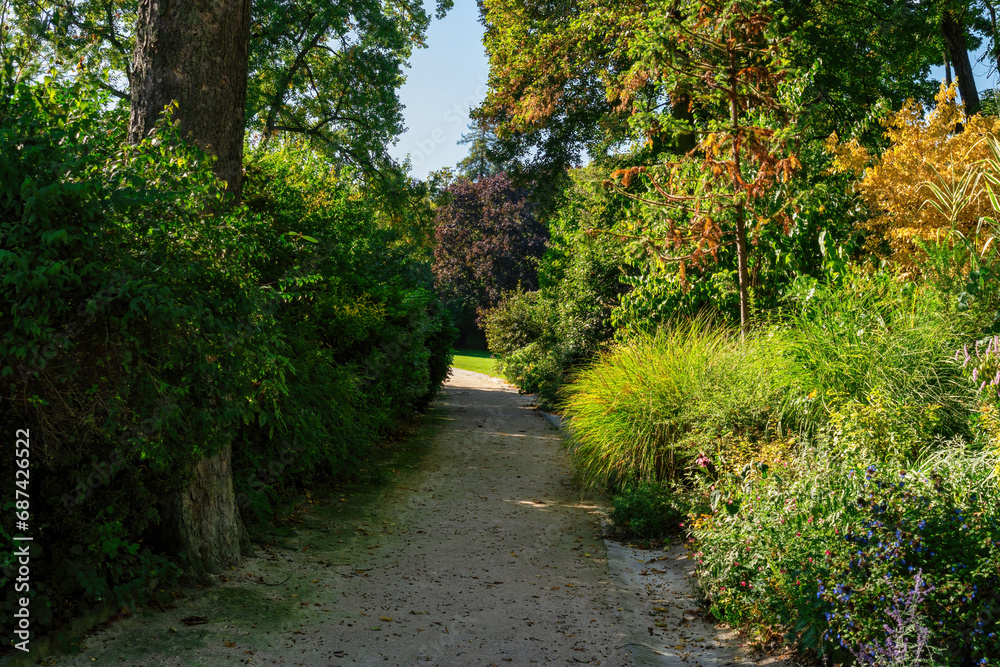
(647, 408)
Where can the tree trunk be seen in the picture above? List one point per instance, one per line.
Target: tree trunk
(993, 36)
(203, 520)
(740, 210)
(681, 110)
(742, 250)
(194, 52)
(954, 39)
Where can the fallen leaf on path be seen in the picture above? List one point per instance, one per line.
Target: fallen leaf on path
(194, 620)
(230, 644)
(387, 619)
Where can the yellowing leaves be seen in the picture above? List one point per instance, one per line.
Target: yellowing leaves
(927, 159)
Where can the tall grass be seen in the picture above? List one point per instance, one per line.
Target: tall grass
(646, 409)
(865, 357)
(877, 336)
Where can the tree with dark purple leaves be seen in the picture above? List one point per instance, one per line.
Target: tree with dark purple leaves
(488, 242)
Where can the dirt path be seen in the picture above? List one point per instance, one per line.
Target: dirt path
(482, 554)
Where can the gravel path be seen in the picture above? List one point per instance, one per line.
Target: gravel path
(479, 551)
(482, 554)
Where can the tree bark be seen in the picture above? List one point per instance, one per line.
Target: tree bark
(203, 521)
(194, 52)
(954, 39)
(742, 249)
(681, 110)
(993, 38)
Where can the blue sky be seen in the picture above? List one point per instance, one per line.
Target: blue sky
(444, 81)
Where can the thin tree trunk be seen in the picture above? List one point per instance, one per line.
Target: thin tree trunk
(954, 39)
(681, 110)
(195, 53)
(741, 231)
(947, 69)
(993, 38)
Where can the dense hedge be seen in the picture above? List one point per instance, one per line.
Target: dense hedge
(142, 328)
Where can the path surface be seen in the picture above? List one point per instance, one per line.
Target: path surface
(483, 554)
(479, 551)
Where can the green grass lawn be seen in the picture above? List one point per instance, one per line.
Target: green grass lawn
(477, 361)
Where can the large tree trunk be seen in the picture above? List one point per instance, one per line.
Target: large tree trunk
(203, 520)
(194, 52)
(954, 39)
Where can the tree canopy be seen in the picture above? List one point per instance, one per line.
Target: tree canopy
(328, 71)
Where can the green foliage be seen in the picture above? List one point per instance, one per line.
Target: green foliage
(521, 319)
(144, 326)
(130, 343)
(326, 72)
(648, 510)
(882, 428)
(645, 409)
(657, 295)
(367, 342)
(824, 548)
(876, 336)
(540, 337)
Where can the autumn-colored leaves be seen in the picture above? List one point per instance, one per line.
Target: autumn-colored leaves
(927, 160)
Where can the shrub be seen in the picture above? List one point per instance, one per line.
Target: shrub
(647, 510)
(366, 340)
(142, 330)
(825, 549)
(876, 336)
(129, 344)
(540, 337)
(924, 148)
(519, 320)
